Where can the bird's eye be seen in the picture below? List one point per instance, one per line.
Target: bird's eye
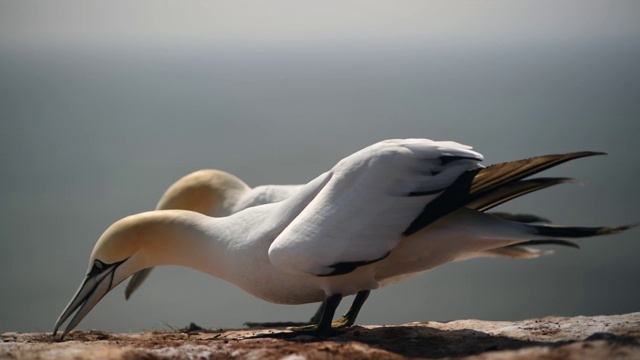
(98, 267)
(98, 264)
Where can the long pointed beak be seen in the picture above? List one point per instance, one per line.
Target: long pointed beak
(95, 285)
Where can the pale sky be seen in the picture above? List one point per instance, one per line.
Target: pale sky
(195, 21)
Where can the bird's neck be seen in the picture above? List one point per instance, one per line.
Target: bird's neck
(185, 238)
(225, 247)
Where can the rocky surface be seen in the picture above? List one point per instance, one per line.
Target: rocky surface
(598, 337)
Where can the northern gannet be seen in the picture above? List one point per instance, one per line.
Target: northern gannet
(388, 211)
(213, 193)
(218, 193)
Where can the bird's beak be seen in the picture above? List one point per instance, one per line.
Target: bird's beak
(100, 279)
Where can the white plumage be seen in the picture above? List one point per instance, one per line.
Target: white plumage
(390, 210)
(213, 193)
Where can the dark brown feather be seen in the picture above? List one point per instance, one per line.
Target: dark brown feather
(513, 190)
(521, 218)
(477, 183)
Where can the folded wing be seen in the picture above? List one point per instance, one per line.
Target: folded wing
(370, 199)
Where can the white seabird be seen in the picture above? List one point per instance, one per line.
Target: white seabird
(213, 193)
(218, 193)
(393, 209)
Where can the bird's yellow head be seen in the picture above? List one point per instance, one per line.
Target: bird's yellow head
(130, 245)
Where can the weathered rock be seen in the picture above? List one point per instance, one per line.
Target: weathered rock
(597, 337)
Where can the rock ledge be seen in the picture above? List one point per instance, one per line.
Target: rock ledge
(583, 337)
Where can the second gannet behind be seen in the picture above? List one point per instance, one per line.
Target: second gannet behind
(213, 193)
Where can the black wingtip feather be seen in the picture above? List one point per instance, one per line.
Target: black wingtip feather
(476, 183)
(578, 231)
(507, 192)
(349, 266)
(522, 218)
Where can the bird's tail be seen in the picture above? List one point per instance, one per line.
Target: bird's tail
(547, 234)
(484, 188)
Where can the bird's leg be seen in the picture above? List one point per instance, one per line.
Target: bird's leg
(315, 319)
(326, 311)
(330, 305)
(349, 318)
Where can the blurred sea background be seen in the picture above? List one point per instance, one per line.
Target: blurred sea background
(104, 104)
